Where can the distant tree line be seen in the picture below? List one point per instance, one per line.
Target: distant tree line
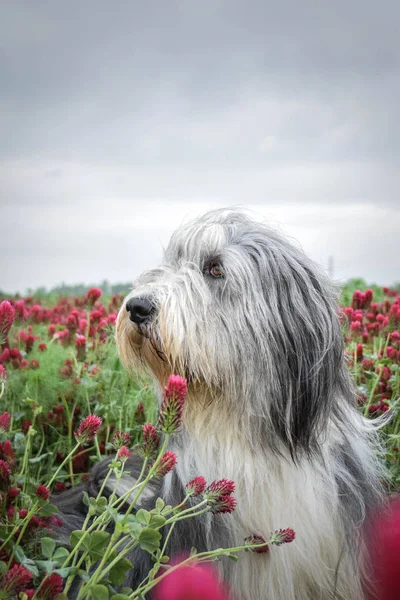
(360, 284)
(108, 289)
(78, 289)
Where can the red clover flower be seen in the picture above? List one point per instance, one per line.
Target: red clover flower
(51, 587)
(222, 487)
(151, 440)
(13, 493)
(88, 429)
(3, 373)
(257, 539)
(92, 296)
(5, 419)
(42, 492)
(283, 536)
(121, 438)
(167, 463)
(15, 580)
(80, 344)
(172, 405)
(139, 415)
(5, 475)
(223, 504)
(279, 537)
(196, 486)
(218, 495)
(177, 386)
(7, 316)
(7, 453)
(123, 454)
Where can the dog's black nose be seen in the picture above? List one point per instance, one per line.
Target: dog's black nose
(140, 309)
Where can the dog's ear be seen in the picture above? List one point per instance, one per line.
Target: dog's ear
(306, 349)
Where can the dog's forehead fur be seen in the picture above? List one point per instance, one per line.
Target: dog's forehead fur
(247, 249)
(214, 232)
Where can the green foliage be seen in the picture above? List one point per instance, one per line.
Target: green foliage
(359, 284)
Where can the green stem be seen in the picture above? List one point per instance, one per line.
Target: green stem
(189, 516)
(85, 555)
(132, 504)
(158, 563)
(191, 510)
(121, 499)
(95, 576)
(96, 443)
(121, 554)
(25, 525)
(25, 460)
(96, 523)
(88, 325)
(149, 475)
(69, 418)
(103, 485)
(118, 479)
(86, 521)
(49, 484)
(375, 385)
(371, 395)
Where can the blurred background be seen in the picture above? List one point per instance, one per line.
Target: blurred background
(120, 120)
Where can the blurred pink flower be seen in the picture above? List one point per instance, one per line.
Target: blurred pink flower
(193, 581)
(383, 537)
(7, 316)
(123, 454)
(3, 373)
(80, 344)
(93, 295)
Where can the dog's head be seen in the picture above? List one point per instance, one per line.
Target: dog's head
(248, 319)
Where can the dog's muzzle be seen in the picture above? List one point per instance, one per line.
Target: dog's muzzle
(142, 310)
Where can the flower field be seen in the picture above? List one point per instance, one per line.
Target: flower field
(66, 402)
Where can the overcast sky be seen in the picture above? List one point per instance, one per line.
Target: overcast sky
(118, 120)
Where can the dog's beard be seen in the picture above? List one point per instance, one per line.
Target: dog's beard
(142, 350)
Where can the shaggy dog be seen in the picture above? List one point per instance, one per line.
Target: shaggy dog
(254, 326)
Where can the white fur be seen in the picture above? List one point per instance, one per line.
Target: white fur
(272, 493)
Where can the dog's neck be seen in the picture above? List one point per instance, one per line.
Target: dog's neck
(214, 445)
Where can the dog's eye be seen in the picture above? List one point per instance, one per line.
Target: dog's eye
(217, 271)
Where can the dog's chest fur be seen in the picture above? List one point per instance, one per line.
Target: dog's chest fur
(272, 493)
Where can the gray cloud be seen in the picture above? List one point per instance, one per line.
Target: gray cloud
(104, 108)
